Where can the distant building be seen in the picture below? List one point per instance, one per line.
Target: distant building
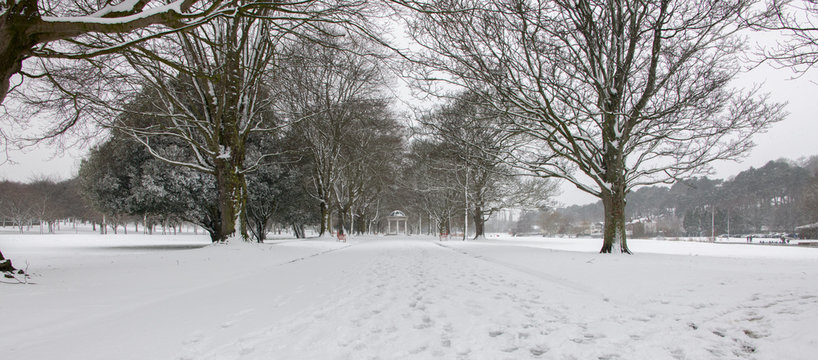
(807, 231)
(641, 227)
(596, 229)
(397, 217)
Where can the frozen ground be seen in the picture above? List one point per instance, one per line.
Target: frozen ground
(159, 297)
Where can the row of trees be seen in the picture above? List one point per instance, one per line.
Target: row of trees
(123, 182)
(777, 197)
(457, 171)
(313, 133)
(349, 167)
(209, 97)
(48, 206)
(460, 164)
(42, 203)
(607, 95)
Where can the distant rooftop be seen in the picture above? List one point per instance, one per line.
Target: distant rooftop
(397, 213)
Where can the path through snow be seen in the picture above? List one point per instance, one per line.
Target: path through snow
(395, 298)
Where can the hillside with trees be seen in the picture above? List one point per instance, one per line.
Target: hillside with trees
(775, 198)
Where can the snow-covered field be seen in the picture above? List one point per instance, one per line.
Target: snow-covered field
(164, 297)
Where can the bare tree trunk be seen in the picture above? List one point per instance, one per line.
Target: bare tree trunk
(15, 41)
(614, 239)
(479, 223)
(325, 215)
(226, 185)
(232, 200)
(260, 231)
(351, 221)
(430, 224)
(231, 182)
(298, 230)
(342, 213)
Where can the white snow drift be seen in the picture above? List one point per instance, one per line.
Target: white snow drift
(157, 297)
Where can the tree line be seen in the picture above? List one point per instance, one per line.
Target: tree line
(454, 177)
(775, 198)
(609, 96)
(42, 204)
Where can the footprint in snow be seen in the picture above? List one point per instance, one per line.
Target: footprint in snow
(426, 322)
(195, 338)
(417, 350)
(538, 350)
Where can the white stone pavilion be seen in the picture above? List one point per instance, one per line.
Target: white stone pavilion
(396, 217)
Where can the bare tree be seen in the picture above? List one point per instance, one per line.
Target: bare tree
(480, 150)
(327, 85)
(44, 197)
(212, 98)
(17, 204)
(797, 22)
(429, 180)
(80, 28)
(370, 154)
(85, 29)
(610, 95)
(206, 103)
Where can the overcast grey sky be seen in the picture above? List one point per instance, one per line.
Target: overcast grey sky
(793, 138)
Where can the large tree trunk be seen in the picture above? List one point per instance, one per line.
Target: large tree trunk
(346, 222)
(214, 235)
(325, 215)
(479, 223)
(614, 239)
(229, 161)
(360, 225)
(232, 200)
(15, 41)
(613, 188)
(342, 214)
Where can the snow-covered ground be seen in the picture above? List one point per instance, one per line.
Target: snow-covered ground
(165, 297)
